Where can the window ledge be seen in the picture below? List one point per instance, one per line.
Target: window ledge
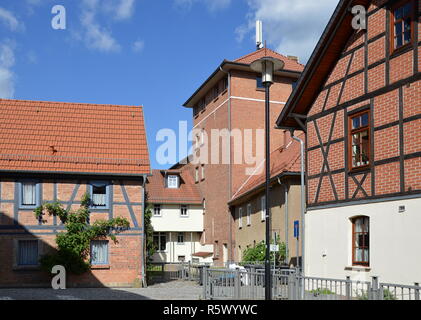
(26, 268)
(100, 266)
(358, 268)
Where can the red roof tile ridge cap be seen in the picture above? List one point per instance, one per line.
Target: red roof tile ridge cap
(280, 54)
(72, 103)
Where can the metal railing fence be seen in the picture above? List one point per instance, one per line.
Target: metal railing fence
(249, 284)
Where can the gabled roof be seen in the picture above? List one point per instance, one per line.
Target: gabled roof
(290, 64)
(283, 162)
(292, 69)
(187, 193)
(323, 59)
(58, 137)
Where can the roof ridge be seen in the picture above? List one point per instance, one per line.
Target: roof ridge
(280, 54)
(73, 103)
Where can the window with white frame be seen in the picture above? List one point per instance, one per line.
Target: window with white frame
(99, 194)
(240, 217)
(27, 253)
(196, 174)
(172, 181)
(249, 214)
(99, 252)
(263, 207)
(184, 211)
(157, 210)
(29, 194)
(203, 172)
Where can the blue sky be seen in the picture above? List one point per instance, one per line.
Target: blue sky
(138, 52)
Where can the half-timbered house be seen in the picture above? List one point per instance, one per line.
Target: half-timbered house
(359, 103)
(51, 151)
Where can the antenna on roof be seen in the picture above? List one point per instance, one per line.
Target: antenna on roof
(259, 35)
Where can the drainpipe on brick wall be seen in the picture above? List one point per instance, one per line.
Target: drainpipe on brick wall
(229, 167)
(143, 241)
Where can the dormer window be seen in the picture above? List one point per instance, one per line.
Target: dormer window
(172, 181)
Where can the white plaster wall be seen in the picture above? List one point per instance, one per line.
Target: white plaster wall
(170, 219)
(190, 246)
(395, 242)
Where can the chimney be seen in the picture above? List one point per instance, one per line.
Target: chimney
(293, 58)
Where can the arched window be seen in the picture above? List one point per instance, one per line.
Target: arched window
(361, 241)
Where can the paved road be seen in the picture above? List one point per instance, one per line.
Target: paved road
(175, 290)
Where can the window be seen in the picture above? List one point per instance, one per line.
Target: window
(240, 218)
(360, 241)
(172, 182)
(402, 17)
(180, 238)
(249, 214)
(28, 252)
(196, 175)
(263, 207)
(224, 84)
(360, 140)
(99, 252)
(184, 211)
(259, 83)
(157, 210)
(181, 258)
(29, 194)
(195, 260)
(160, 241)
(203, 172)
(99, 191)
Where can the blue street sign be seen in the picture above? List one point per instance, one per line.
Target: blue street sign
(296, 229)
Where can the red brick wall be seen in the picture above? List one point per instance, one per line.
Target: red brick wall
(124, 256)
(355, 93)
(245, 114)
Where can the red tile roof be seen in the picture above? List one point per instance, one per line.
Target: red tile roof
(72, 137)
(188, 193)
(202, 254)
(282, 160)
(290, 64)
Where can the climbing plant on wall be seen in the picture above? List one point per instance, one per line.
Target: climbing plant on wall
(73, 245)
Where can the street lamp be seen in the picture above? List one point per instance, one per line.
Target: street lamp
(267, 66)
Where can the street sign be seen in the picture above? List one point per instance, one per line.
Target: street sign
(274, 248)
(296, 229)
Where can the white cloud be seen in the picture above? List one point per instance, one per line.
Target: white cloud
(138, 46)
(7, 77)
(291, 27)
(212, 5)
(7, 18)
(95, 35)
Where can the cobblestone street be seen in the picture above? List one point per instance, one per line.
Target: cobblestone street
(175, 290)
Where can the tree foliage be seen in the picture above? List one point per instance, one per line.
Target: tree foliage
(258, 253)
(73, 245)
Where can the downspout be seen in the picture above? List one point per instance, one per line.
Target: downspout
(303, 206)
(286, 221)
(229, 167)
(142, 243)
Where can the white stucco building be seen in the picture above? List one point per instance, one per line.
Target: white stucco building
(177, 218)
